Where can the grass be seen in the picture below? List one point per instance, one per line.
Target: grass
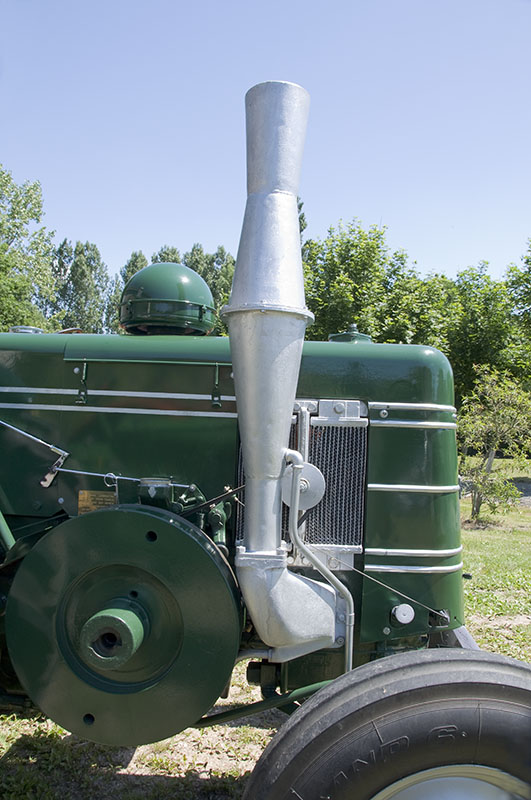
(40, 761)
(498, 595)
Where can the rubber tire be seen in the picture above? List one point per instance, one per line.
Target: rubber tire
(398, 716)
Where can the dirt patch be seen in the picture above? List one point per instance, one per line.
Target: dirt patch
(479, 524)
(478, 621)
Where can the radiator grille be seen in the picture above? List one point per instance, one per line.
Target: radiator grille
(341, 455)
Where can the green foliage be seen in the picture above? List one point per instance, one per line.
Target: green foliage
(136, 262)
(494, 418)
(519, 285)
(82, 287)
(166, 254)
(25, 253)
(217, 270)
(302, 217)
(345, 276)
(353, 277)
(111, 316)
(481, 331)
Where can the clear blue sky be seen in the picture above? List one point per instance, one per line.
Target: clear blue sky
(130, 113)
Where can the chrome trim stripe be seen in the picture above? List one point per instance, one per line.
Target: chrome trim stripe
(406, 423)
(410, 487)
(106, 393)
(110, 410)
(382, 551)
(337, 548)
(423, 570)
(326, 422)
(34, 390)
(160, 395)
(413, 406)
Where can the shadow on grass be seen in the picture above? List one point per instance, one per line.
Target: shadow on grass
(46, 766)
(265, 720)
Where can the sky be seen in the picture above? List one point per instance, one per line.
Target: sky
(130, 113)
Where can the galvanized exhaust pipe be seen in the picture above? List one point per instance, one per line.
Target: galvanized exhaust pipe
(267, 318)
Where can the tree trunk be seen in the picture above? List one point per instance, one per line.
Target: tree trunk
(477, 500)
(490, 461)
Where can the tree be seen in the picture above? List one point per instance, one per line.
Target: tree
(216, 269)
(481, 332)
(417, 310)
(111, 313)
(82, 287)
(519, 286)
(344, 279)
(302, 217)
(166, 254)
(494, 418)
(136, 262)
(353, 277)
(25, 254)
(518, 280)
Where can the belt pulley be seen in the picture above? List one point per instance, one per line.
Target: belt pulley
(123, 624)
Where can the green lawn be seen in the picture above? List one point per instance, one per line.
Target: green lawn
(498, 595)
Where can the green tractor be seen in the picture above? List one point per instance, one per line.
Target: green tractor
(174, 502)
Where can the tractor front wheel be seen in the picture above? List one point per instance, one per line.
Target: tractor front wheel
(430, 725)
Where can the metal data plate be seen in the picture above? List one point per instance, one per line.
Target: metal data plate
(92, 501)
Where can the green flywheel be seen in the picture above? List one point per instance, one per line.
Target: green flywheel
(123, 624)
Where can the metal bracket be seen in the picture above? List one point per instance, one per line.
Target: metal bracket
(48, 478)
(334, 412)
(334, 556)
(306, 405)
(63, 455)
(348, 413)
(82, 395)
(216, 395)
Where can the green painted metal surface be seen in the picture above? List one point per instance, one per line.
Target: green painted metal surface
(167, 295)
(375, 372)
(6, 537)
(111, 637)
(164, 407)
(173, 672)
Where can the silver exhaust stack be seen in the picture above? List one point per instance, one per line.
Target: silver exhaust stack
(267, 317)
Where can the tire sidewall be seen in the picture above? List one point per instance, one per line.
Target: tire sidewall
(397, 717)
(344, 764)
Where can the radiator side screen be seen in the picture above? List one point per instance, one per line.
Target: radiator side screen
(341, 455)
